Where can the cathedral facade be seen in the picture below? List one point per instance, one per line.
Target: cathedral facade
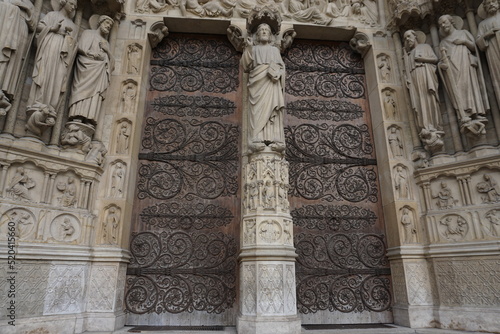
(263, 164)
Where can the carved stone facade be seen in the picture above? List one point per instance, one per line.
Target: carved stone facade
(146, 176)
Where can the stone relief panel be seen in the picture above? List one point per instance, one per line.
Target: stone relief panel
(120, 288)
(270, 231)
(290, 286)
(249, 287)
(22, 220)
(420, 283)
(408, 222)
(487, 189)
(65, 228)
(117, 179)
(65, 289)
(270, 292)
(68, 190)
(445, 194)
(399, 283)
(491, 223)
(110, 226)
(250, 232)
(134, 59)
(24, 183)
(32, 280)
(101, 290)
(384, 66)
(128, 97)
(123, 135)
(453, 228)
(468, 282)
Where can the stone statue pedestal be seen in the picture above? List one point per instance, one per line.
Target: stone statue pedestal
(267, 258)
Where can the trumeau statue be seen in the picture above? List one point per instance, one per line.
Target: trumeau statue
(488, 39)
(266, 82)
(93, 69)
(460, 68)
(422, 82)
(16, 20)
(56, 41)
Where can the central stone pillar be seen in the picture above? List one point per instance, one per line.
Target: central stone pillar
(267, 259)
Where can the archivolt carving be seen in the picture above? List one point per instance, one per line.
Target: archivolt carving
(186, 216)
(333, 217)
(181, 272)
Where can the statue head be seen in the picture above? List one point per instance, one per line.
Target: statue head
(105, 24)
(410, 39)
(263, 33)
(446, 26)
(69, 6)
(491, 6)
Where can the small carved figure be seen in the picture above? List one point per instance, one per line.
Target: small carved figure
(250, 232)
(16, 20)
(20, 185)
(67, 230)
(5, 104)
(409, 227)
(254, 196)
(117, 181)
(268, 195)
(110, 227)
(94, 65)
(68, 188)
(96, 153)
(454, 228)
(363, 10)
(395, 143)
(401, 183)
(283, 197)
(389, 105)
(134, 59)
(56, 42)
(422, 83)
(75, 136)
(41, 117)
(488, 39)
(22, 220)
(445, 198)
(143, 6)
(431, 138)
(266, 82)
(459, 67)
(384, 66)
(129, 94)
(301, 11)
(490, 188)
(122, 142)
(494, 219)
(287, 232)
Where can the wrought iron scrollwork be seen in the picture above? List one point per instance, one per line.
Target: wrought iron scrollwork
(181, 272)
(188, 64)
(342, 272)
(329, 110)
(193, 106)
(330, 162)
(186, 216)
(193, 159)
(333, 217)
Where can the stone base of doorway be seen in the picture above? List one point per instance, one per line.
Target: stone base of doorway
(268, 325)
(232, 330)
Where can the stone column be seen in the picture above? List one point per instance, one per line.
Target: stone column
(267, 259)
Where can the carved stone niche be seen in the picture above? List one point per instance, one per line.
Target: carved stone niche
(453, 227)
(401, 181)
(110, 226)
(445, 193)
(408, 222)
(19, 221)
(66, 190)
(117, 178)
(384, 66)
(24, 183)
(128, 96)
(395, 141)
(134, 59)
(65, 228)
(123, 131)
(389, 101)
